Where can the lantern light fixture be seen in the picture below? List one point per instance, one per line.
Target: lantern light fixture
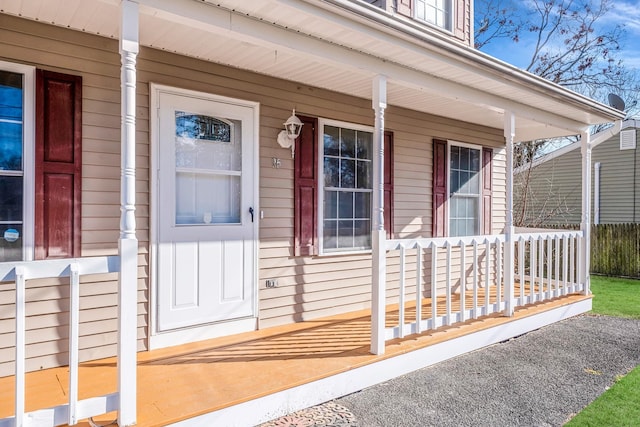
(292, 128)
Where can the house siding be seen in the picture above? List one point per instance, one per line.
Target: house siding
(308, 287)
(556, 184)
(97, 61)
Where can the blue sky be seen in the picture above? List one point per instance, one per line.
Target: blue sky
(624, 12)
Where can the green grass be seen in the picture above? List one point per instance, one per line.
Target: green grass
(616, 297)
(618, 406)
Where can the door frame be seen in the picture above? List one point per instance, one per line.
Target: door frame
(157, 339)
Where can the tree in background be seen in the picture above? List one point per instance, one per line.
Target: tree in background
(568, 43)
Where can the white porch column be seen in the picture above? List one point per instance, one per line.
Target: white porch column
(379, 236)
(585, 225)
(509, 135)
(128, 243)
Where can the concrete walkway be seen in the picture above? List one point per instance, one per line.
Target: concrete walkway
(541, 378)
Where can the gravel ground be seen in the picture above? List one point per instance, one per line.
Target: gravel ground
(541, 378)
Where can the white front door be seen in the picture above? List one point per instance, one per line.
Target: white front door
(205, 195)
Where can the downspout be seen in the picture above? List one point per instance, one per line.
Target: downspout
(596, 194)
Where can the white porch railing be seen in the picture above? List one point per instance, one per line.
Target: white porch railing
(547, 265)
(75, 410)
(465, 277)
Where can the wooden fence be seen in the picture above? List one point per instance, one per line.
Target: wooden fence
(615, 249)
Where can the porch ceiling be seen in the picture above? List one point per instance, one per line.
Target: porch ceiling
(340, 45)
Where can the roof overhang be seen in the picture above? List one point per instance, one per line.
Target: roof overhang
(341, 45)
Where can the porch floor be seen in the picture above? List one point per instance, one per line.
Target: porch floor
(185, 381)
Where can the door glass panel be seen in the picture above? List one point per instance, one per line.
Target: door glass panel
(11, 171)
(208, 169)
(10, 121)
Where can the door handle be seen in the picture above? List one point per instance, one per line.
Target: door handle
(251, 212)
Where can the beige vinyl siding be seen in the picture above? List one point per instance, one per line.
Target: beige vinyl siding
(308, 287)
(97, 60)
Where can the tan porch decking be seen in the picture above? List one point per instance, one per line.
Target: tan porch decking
(189, 380)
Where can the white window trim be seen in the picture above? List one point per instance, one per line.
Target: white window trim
(449, 26)
(28, 154)
(480, 219)
(320, 185)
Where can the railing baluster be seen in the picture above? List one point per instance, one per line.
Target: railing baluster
(74, 326)
(541, 267)
(565, 264)
(402, 291)
(549, 267)
(572, 263)
(532, 267)
(499, 273)
(475, 279)
(521, 269)
(463, 281)
(556, 244)
(20, 345)
(434, 286)
(448, 285)
(487, 265)
(418, 288)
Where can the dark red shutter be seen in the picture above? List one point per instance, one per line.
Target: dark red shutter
(388, 183)
(487, 174)
(306, 189)
(405, 7)
(440, 168)
(58, 165)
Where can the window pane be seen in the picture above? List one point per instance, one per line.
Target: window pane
(331, 141)
(345, 204)
(347, 173)
(10, 145)
(348, 146)
(331, 204)
(464, 158)
(475, 160)
(363, 205)
(364, 174)
(362, 234)
(330, 239)
(365, 144)
(345, 234)
(455, 158)
(331, 172)
(455, 181)
(11, 193)
(10, 242)
(453, 228)
(11, 116)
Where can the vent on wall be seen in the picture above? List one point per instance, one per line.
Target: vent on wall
(628, 139)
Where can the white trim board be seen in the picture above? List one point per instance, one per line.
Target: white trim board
(275, 405)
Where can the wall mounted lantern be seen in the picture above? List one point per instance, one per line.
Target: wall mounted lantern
(292, 128)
